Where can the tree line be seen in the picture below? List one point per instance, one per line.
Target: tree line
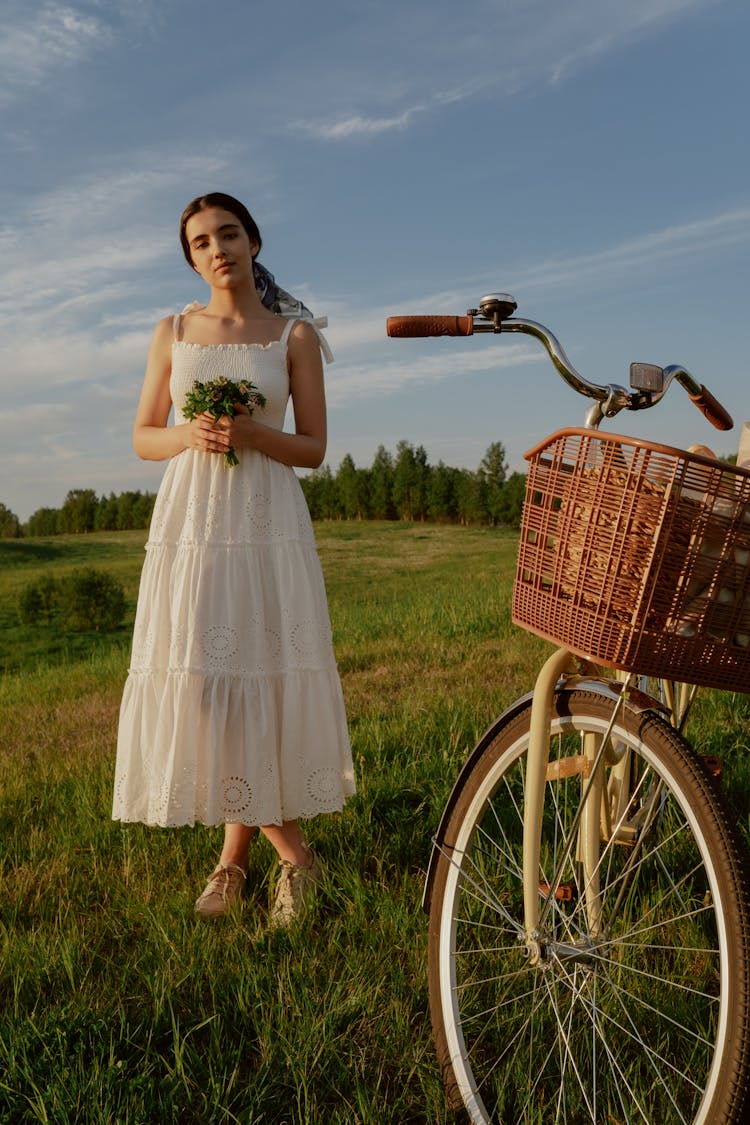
(400, 486)
(82, 511)
(405, 486)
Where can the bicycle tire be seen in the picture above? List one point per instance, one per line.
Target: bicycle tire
(654, 1028)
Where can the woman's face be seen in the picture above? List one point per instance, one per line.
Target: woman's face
(221, 251)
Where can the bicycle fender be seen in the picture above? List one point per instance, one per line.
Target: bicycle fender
(638, 701)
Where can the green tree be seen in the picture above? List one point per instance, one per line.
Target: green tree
(10, 525)
(471, 496)
(43, 522)
(321, 494)
(84, 599)
(78, 513)
(143, 508)
(39, 602)
(410, 474)
(351, 488)
(513, 497)
(442, 500)
(124, 512)
(105, 516)
(91, 599)
(381, 485)
(493, 469)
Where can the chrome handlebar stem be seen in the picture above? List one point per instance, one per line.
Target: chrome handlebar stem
(648, 382)
(609, 400)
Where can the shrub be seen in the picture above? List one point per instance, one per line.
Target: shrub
(91, 599)
(84, 599)
(39, 602)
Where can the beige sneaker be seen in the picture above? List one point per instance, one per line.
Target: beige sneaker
(222, 891)
(295, 888)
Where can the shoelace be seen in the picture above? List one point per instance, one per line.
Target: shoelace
(222, 876)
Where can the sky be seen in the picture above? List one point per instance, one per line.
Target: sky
(590, 157)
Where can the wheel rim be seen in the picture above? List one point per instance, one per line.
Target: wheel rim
(627, 1021)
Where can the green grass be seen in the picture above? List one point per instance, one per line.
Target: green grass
(116, 1005)
(23, 560)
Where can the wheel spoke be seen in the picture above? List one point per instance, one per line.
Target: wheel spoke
(609, 1024)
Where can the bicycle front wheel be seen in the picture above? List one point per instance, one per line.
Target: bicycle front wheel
(637, 1008)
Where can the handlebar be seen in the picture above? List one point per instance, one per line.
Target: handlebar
(430, 325)
(649, 383)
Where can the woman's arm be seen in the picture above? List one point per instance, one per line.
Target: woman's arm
(306, 447)
(153, 440)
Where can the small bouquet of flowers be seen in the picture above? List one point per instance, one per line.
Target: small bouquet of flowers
(219, 398)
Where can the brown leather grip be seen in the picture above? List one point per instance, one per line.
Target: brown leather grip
(429, 326)
(712, 409)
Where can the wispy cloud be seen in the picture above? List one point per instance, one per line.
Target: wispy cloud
(356, 125)
(354, 330)
(350, 126)
(375, 379)
(653, 250)
(624, 24)
(39, 39)
(103, 234)
(493, 51)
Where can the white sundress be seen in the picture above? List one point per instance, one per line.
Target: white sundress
(232, 710)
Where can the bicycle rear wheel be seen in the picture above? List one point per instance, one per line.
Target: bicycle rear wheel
(639, 1015)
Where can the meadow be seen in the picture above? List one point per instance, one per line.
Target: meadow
(116, 1004)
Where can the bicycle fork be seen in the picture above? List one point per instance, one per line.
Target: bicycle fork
(597, 818)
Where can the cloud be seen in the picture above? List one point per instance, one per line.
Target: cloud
(492, 50)
(656, 248)
(60, 361)
(624, 24)
(117, 249)
(374, 379)
(347, 128)
(38, 40)
(344, 128)
(354, 332)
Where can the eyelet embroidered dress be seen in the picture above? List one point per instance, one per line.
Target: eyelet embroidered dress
(232, 710)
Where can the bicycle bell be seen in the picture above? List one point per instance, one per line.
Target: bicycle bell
(497, 307)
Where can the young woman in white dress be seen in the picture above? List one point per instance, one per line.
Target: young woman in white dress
(232, 712)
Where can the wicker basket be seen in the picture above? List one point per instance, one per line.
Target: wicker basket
(636, 555)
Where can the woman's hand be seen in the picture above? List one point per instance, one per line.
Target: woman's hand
(306, 446)
(207, 435)
(240, 429)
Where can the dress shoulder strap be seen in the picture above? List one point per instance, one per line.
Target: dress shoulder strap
(316, 323)
(177, 319)
(284, 339)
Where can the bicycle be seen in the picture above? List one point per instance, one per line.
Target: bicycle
(589, 919)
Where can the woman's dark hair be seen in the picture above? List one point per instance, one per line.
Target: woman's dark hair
(227, 203)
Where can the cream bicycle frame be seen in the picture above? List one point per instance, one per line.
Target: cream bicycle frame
(602, 811)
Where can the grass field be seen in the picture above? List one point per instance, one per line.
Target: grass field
(116, 1005)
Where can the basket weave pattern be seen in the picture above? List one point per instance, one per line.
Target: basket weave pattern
(636, 555)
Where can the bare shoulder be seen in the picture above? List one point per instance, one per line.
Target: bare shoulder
(164, 329)
(303, 340)
(304, 361)
(160, 352)
(196, 311)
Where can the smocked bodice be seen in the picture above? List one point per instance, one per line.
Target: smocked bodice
(263, 364)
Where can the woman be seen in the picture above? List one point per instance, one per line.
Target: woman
(232, 712)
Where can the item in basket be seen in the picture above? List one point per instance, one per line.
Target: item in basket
(742, 556)
(703, 450)
(594, 527)
(717, 574)
(743, 450)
